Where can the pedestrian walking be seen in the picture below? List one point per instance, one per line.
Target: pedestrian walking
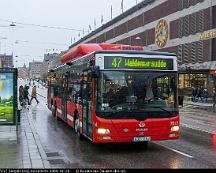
(26, 93)
(194, 95)
(200, 94)
(205, 95)
(21, 95)
(34, 95)
(214, 99)
(180, 97)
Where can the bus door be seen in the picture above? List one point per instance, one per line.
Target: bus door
(87, 105)
(64, 99)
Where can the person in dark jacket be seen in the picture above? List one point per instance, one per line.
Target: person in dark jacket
(180, 96)
(194, 94)
(21, 95)
(214, 99)
(200, 94)
(205, 95)
(26, 93)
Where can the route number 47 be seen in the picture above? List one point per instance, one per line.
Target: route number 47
(117, 62)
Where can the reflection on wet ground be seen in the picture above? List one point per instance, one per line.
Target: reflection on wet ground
(64, 150)
(10, 148)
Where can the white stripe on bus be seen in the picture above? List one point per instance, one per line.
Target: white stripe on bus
(80, 123)
(59, 111)
(70, 117)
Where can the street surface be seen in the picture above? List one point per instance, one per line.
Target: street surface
(195, 148)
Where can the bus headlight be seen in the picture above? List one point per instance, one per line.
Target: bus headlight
(103, 131)
(174, 128)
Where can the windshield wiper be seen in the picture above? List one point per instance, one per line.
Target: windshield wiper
(171, 113)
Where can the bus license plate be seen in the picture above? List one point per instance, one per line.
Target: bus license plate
(141, 139)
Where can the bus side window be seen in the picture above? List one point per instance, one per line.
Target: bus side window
(76, 92)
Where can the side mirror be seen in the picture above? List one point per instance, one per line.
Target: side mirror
(95, 72)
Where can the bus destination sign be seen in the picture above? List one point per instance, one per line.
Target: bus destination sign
(137, 63)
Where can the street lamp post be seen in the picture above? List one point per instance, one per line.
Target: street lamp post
(12, 24)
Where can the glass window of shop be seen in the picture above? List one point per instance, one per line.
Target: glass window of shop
(189, 81)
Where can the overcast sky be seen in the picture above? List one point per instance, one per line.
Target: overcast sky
(28, 42)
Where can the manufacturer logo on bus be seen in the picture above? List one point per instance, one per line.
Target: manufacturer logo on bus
(126, 130)
(141, 129)
(141, 124)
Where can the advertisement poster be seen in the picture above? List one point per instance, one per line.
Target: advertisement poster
(6, 98)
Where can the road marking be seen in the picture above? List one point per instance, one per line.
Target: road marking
(179, 152)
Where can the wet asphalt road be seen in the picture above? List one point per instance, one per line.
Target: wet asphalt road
(194, 149)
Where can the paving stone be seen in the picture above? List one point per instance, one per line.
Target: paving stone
(27, 166)
(20, 150)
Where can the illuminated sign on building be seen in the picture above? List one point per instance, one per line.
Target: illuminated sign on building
(207, 35)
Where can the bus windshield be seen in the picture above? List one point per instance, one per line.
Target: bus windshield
(129, 94)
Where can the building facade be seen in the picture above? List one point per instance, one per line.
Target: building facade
(23, 72)
(35, 69)
(184, 27)
(6, 60)
(52, 60)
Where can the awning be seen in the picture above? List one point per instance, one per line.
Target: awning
(210, 65)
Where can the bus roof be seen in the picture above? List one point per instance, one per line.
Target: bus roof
(84, 49)
(134, 52)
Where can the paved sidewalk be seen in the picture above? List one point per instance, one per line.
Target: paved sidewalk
(199, 105)
(21, 149)
(200, 120)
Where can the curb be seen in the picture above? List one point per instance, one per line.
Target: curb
(38, 143)
(207, 108)
(197, 129)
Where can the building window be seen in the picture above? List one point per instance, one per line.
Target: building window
(214, 49)
(214, 18)
(189, 81)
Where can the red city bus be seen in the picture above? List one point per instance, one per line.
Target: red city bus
(116, 93)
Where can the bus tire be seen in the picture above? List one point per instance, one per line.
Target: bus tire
(77, 126)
